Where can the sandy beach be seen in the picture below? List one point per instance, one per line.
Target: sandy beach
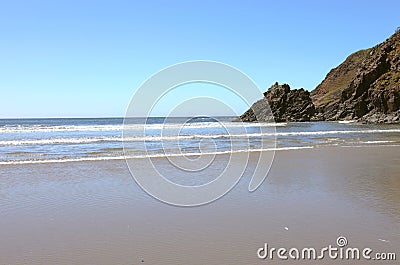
(94, 212)
(199, 132)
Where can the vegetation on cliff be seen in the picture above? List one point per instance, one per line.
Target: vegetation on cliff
(366, 87)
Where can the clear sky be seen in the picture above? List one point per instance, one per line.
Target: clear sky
(86, 58)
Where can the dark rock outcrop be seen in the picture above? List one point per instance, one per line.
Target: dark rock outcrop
(284, 104)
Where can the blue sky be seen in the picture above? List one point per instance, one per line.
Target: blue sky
(86, 58)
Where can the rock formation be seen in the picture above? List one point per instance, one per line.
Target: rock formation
(365, 87)
(326, 96)
(284, 103)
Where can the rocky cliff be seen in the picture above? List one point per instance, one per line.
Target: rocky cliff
(365, 87)
(284, 103)
(328, 93)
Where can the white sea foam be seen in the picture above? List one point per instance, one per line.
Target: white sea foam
(377, 142)
(138, 138)
(338, 132)
(348, 121)
(111, 139)
(83, 159)
(60, 141)
(89, 128)
(72, 128)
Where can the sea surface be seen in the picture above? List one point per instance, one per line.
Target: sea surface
(62, 140)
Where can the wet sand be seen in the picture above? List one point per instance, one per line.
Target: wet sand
(94, 212)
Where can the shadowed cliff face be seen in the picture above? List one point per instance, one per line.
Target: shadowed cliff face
(365, 87)
(284, 103)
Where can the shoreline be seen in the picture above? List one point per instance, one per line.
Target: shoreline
(110, 158)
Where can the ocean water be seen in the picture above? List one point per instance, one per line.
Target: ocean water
(58, 140)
